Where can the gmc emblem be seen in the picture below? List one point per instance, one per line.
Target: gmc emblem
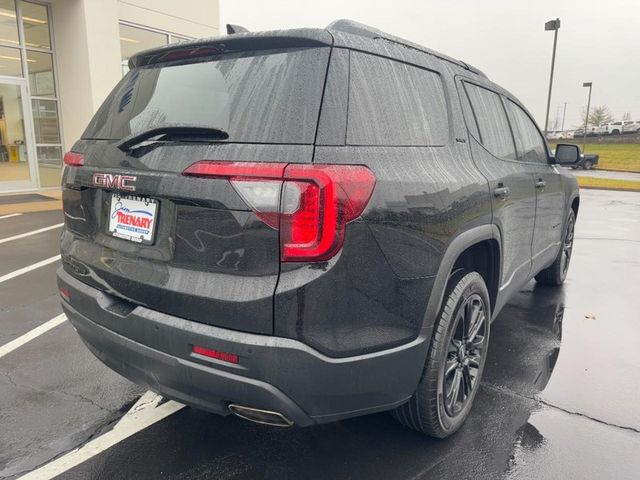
(119, 182)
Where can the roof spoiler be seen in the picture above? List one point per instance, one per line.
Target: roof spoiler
(231, 29)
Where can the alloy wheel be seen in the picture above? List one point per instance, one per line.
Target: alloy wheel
(464, 356)
(567, 246)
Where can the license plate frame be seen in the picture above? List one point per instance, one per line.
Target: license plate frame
(133, 218)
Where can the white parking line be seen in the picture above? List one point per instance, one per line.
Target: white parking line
(31, 334)
(144, 413)
(10, 215)
(28, 234)
(24, 270)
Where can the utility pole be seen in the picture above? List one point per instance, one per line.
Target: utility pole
(586, 119)
(564, 113)
(551, 25)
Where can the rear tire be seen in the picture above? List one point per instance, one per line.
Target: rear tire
(456, 359)
(587, 165)
(556, 273)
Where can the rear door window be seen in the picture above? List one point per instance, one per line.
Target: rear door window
(529, 142)
(267, 96)
(393, 103)
(491, 118)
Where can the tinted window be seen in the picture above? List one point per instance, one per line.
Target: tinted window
(495, 134)
(529, 142)
(392, 103)
(263, 97)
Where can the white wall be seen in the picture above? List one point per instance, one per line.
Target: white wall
(194, 18)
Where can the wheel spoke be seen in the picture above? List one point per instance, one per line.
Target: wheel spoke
(474, 361)
(455, 390)
(450, 366)
(478, 342)
(475, 328)
(468, 384)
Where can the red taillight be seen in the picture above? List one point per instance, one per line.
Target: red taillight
(74, 159)
(64, 292)
(310, 204)
(216, 354)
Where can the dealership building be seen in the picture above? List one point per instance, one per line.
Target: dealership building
(58, 61)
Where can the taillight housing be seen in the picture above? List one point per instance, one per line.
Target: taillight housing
(309, 203)
(73, 159)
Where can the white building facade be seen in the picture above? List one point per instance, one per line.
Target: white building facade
(60, 59)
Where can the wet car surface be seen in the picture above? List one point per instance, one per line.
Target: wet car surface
(558, 399)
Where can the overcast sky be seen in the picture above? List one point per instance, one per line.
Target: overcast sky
(598, 41)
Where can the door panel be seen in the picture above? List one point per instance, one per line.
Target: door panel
(532, 150)
(513, 192)
(547, 234)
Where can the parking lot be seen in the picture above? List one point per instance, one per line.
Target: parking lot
(559, 396)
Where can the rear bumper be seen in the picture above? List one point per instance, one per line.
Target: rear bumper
(278, 374)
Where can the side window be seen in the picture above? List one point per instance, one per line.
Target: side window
(529, 141)
(392, 103)
(495, 134)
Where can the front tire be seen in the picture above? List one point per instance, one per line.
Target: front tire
(456, 359)
(556, 273)
(587, 165)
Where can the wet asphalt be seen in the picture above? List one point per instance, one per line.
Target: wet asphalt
(559, 398)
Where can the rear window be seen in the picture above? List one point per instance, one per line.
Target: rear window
(268, 96)
(392, 103)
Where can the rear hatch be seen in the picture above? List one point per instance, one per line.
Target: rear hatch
(140, 229)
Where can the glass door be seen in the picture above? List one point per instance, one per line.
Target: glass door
(17, 160)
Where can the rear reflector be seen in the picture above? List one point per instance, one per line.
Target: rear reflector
(309, 203)
(224, 356)
(73, 159)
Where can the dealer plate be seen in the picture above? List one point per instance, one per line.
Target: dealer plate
(133, 218)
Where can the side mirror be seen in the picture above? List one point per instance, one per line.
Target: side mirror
(567, 154)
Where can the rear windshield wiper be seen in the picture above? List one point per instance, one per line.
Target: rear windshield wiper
(200, 134)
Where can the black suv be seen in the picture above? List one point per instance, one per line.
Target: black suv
(307, 225)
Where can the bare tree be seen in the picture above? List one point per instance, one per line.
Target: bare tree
(598, 115)
(626, 116)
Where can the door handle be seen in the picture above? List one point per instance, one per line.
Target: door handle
(541, 184)
(501, 192)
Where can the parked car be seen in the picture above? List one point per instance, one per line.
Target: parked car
(630, 126)
(234, 240)
(618, 128)
(554, 135)
(594, 131)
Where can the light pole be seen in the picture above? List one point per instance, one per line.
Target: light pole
(586, 118)
(564, 112)
(551, 25)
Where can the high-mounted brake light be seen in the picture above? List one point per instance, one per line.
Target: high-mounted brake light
(74, 159)
(309, 204)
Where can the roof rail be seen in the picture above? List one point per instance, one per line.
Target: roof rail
(360, 29)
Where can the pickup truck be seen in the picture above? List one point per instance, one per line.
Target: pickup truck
(618, 128)
(587, 161)
(631, 126)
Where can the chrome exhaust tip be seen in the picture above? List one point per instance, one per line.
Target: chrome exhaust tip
(264, 417)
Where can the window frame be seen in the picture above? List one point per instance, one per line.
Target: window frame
(54, 67)
(464, 81)
(505, 99)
